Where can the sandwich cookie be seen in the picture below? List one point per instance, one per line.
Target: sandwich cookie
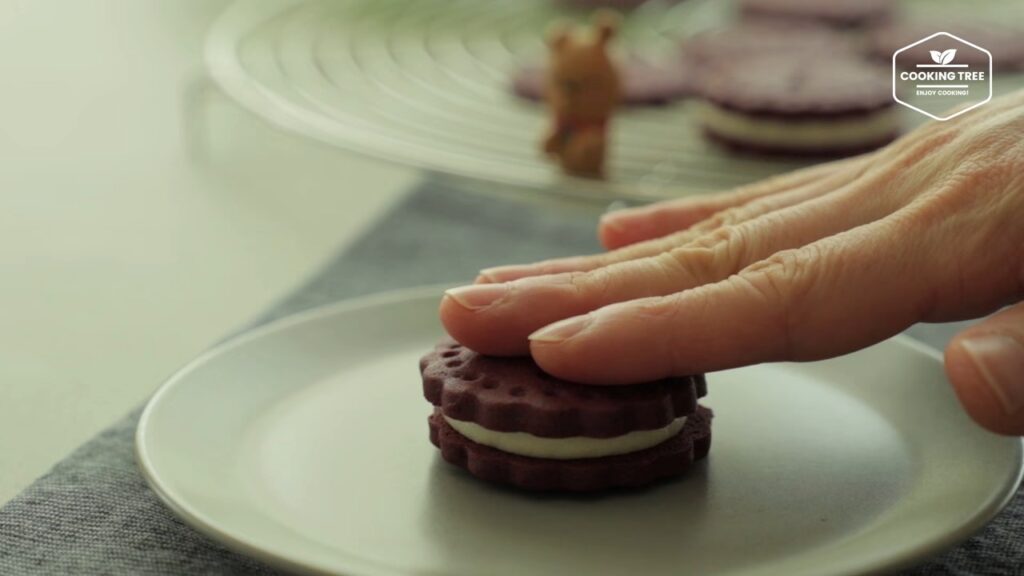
(807, 106)
(506, 421)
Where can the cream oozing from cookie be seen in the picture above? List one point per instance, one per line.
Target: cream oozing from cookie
(526, 444)
(799, 133)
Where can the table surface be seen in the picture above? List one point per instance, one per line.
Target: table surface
(143, 216)
(95, 513)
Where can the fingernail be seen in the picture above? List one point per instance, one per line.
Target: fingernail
(612, 221)
(477, 296)
(1000, 361)
(615, 206)
(561, 330)
(505, 273)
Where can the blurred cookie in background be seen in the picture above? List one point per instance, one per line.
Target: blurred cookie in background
(614, 4)
(1006, 44)
(752, 38)
(815, 105)
(643, 83)
(839, 14)
(704, 51)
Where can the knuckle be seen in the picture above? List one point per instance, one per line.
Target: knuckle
(783, 282)
(720, 219)
(716, 220)
(712, 256)
(654, 307)
(968, 187)
(790, 267)
(755, 207)
(919, 159)
(595, 284)
(641, 249)
(730, 245)
(693, 264)
(917, 146)
(673, 313)
(729, 216)
(546, 267)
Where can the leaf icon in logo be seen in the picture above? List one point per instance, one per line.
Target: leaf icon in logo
(944, 57)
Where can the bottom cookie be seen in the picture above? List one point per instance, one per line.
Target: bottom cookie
(798, 151)
(670, 458)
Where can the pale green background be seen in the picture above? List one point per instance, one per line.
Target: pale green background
(126, 246)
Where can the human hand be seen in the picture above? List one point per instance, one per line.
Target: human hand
(805, 266)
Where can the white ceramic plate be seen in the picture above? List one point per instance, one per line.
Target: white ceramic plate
(304, 443)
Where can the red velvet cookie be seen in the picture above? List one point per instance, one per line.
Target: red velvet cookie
(704, 53)
(670, 458)
(844, 14)
(732, 44)
(643, 83)
(507, 421)
(614, 4)
(803, 105)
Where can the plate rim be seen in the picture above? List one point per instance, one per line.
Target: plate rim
(208, 526)
(198, 520)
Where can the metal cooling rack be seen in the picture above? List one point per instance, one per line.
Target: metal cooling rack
(425, 83)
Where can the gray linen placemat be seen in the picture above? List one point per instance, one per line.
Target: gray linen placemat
(94, 514)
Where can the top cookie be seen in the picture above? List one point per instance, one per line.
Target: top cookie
(615, 4)
(731, 44)
(835, 13)
(515, 395)
(643, 83)
(788, 86)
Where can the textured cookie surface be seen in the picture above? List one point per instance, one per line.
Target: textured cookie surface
(515, 395)
(643, 84)
(616, 4)
(731, 44)
(670, 458)
(787, 86)
(837, 13)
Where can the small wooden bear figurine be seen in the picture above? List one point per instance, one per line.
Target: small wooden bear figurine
(582, 91)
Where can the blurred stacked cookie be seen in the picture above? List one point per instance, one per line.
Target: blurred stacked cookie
(793, 77)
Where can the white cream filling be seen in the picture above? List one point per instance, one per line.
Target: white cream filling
(775, 132)
(526, 444)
